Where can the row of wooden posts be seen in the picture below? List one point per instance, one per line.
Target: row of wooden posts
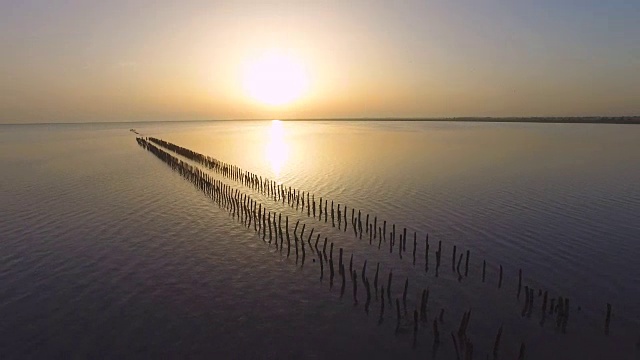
(250, 212)
(295, 198)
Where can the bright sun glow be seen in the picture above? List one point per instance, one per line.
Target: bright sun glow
(277, 148)
(275, 79)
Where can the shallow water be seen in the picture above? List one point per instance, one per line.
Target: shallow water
(107, 252)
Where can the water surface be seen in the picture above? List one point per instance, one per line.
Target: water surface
(107, 252)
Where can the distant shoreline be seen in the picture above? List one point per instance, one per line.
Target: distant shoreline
(614, 120)
(624, 120)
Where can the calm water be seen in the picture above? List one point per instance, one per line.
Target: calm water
(106, 252)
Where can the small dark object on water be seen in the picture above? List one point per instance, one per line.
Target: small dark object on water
(496, 344)
(466, 265)
(436, 333)
(521, 354)
(381, 306)
(355, 288)
(455, 345)
(484, 269)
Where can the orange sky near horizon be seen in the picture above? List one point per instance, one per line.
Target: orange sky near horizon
(144, 60)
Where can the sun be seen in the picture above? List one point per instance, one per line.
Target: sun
(275, 79)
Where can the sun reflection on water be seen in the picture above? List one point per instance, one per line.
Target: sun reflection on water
(277, 148)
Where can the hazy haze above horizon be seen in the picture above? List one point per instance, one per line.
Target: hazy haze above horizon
(74, 61)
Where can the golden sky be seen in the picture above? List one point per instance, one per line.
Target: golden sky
(75, 61)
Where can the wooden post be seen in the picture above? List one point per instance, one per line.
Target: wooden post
(384, 230)
(496, 344)
(466, 265)
(375, 280)
(458, 267)
(453, 259)
(423, 305)
(415, 243)
(331, 273)
(367, 287)
(324, 249)
(519, 282)
(404, 236)
(355, 287)
(521, 354)
(526, 301)
(404, 296)
(351, 264)
(426, 254)
(484, 269)
(331, 252)
(455, 346)
(364, 271)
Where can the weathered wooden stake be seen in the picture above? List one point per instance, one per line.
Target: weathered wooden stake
(519, 282)
(415, 243)
(466, 265)
(375, 280)
(484, 269)
(526, 301)
(453, 258)
(381, 305)
(455, 345)
(404, 296)
(426, 254)
(436, 333)
(364, 271)
(324, 249)
(367, 287)
(521, 354)
(496, 344)
(423, 305)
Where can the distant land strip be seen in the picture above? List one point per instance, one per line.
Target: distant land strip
(620, 120)
(544, 120)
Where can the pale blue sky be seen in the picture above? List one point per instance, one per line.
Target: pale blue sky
(165, 60)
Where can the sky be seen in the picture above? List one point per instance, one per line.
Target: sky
(142, 60)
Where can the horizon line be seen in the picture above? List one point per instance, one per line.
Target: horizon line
(591, 119)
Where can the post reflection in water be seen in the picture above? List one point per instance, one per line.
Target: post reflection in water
(277, 148)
